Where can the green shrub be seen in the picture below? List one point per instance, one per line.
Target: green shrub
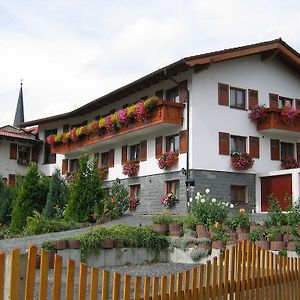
(47, 246)
(197, 253)
(275, 216)
(293, 216)
(240, 218)
(120, 196)
(189, 220)
(162, 219)
(7, 197)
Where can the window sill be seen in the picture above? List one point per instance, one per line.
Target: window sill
(244, 109)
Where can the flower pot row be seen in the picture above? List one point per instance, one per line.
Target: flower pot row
(65, 244)
(173, 229)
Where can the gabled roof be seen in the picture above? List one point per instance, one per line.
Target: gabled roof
(268, 50)
(13, 133)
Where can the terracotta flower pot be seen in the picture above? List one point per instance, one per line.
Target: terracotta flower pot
(291, 246)
(263, 244)
(277, 245)
(201, 234)
(175, 233)
(73, 244)
(174, 227)
(243, 236)
(217, 244)
(244, 229)
(59, 244)
(107, 244)
(205, 246)
(161, 228)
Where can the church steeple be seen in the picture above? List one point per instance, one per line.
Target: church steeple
(19, 116)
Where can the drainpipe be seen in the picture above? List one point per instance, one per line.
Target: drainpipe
(188, 182)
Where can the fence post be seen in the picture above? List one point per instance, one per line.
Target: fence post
(82, 282)
(44, 270)
(70, 280)
(179, 286)
(137, 288)
(56, 289)
(126, 290)
(208, 275)
(2, 274)
(94, 284)
(105, 285)
(232, 272)
(146, 287)
(226, 274)
(155, 281)
(194, 293)
(30, 273)
(163, 288)
(201, 279)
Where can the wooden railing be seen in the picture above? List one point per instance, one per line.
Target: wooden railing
(166, 112)
(242, 272)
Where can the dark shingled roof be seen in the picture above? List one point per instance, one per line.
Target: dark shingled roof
(19, 116)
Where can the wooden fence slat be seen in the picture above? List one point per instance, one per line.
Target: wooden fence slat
(267, 274)
(116, 286)
(220, 276)
(272, 278)
(289, 277)
(186, 290)
(155, 281)
(44, 269)
(146, 288)
(239, 271)
(57, 278)
(70, 279)
(194, 293)
(82, 282)
(232, 272)
(214, 278)
(126, 290)
(14, 274)
(105, 285)
(208, 281)
(201, 282)
(137, 288)
(258, 273)
(248, 269)
(30, 273)
(179, 286)
(94, 284)
(163, 288)
(2, 274)
(171, 286)
(226, 274)
(253, 256)
(277, 282)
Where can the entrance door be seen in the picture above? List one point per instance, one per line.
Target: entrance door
(279, 186)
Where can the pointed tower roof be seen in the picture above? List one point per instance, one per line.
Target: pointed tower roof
(19, 116)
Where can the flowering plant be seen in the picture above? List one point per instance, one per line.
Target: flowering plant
(151, 103)
(169, 200)
(81, 131)
(103, 171)
(131, 168)
(58, 138)
(208, 210)
(258, 113)
(140, 112)
(122, 116)
(288, 115)
(167, 160)
(240, 218)
(66, 137)
(73, 134)
(241, 161)
(93, 127)
(289, 163)
(50, 139)
(134, 202)
(109, 125)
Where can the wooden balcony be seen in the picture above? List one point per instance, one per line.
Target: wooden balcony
(274, 125)
(166, 115)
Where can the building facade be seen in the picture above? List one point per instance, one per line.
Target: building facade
(203, 116)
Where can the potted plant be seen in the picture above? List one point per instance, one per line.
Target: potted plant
(242, 221)
(288, 115)
(161, 223)
(167, 160)
(169, 200)
(274, 236)
(131, 168)
(59, 244)
(218, 236)
(73, 244)
(241, 161)
(175, 227)
(258, 113)
(134, 202)
(257, 237)
(289, 163)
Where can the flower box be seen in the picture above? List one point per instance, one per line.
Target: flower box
(258, 114)
(263, 244)
(277, 245)
(241, 161)
(131, 168)
(169, 200)
(167, 160)
(161, 228)
(73, 244)
(217, 244)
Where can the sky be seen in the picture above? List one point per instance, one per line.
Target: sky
(70, 52)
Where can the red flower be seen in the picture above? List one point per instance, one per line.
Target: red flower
(167, 160)
(131, 168)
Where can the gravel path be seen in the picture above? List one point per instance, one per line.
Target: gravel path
(24, 242)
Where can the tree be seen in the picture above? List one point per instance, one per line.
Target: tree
(57, 197)
(7, 197)
(86, 193)
(28, 198)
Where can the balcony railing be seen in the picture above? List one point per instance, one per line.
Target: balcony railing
(166, 112)
(274, 122)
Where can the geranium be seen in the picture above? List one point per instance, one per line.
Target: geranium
(101, 123)
(73, 134)
(241, 161)
(258, 113)
(169, 200)
(50, 139)
(131, 168)
(114, 120)
(109, 125)
(288, 115)
(134, 202)
(289, 163)
(93, 127)
(81, 131)
(122, 116)
(140, 112)
(58, 138)
(66, 137)
(167, 160)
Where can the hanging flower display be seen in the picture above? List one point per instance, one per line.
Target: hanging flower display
(169, 200)
(140, 112)
(289, 163)
(258, 114)
(167, 160)
(131, 168)
(134, 202)
(241, 161)
(288, 115)
(73, 134)
(122, 116)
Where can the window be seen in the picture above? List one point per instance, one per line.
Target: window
(135, 191)
(238, 194)
(173, 94)
(104, 158)
(23, 155)
(286, 150)
(73, 165)
(172, 186)
(97, 118)
(135, 152)
(238, 144)
(285, 102)
(160, 94)
(49, 158)
(172, 143)
(237, 98)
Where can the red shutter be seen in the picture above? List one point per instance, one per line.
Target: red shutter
(111, 158)
(224, 143)
(275, 145)
(252, 98)
(183, 135)
(254, 146)
(143, 150)
(297, 104)
(64, 166)
(124, 154)
(35, 154)
(13, 151)
(183, 93)
(223, 94)
(298, 152)
(12, 179)
(158, 146)
(273, 100)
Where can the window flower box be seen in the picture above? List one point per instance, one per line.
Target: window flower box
(288, 115)
(134, 202)
(131, 168)
(289, 163)
(167, 160)
(241, 161)
(169, 200)
(258, 114)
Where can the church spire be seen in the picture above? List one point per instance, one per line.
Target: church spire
(19, 116)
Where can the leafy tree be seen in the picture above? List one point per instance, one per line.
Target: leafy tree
(57, 197)
(29, 197)
(7, 196)
(85, 192)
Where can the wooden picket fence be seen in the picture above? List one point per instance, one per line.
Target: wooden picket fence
(241, 272)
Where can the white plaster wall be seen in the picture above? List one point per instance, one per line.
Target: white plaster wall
(208, 118)
(7, 165)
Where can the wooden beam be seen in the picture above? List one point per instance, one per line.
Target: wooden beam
(201, 67)
(269, 54)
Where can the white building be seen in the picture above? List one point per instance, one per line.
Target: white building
(203, 116)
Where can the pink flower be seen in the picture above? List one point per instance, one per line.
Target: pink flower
(109, 125)
(140, 112)
(288, 115)
(122, 116)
